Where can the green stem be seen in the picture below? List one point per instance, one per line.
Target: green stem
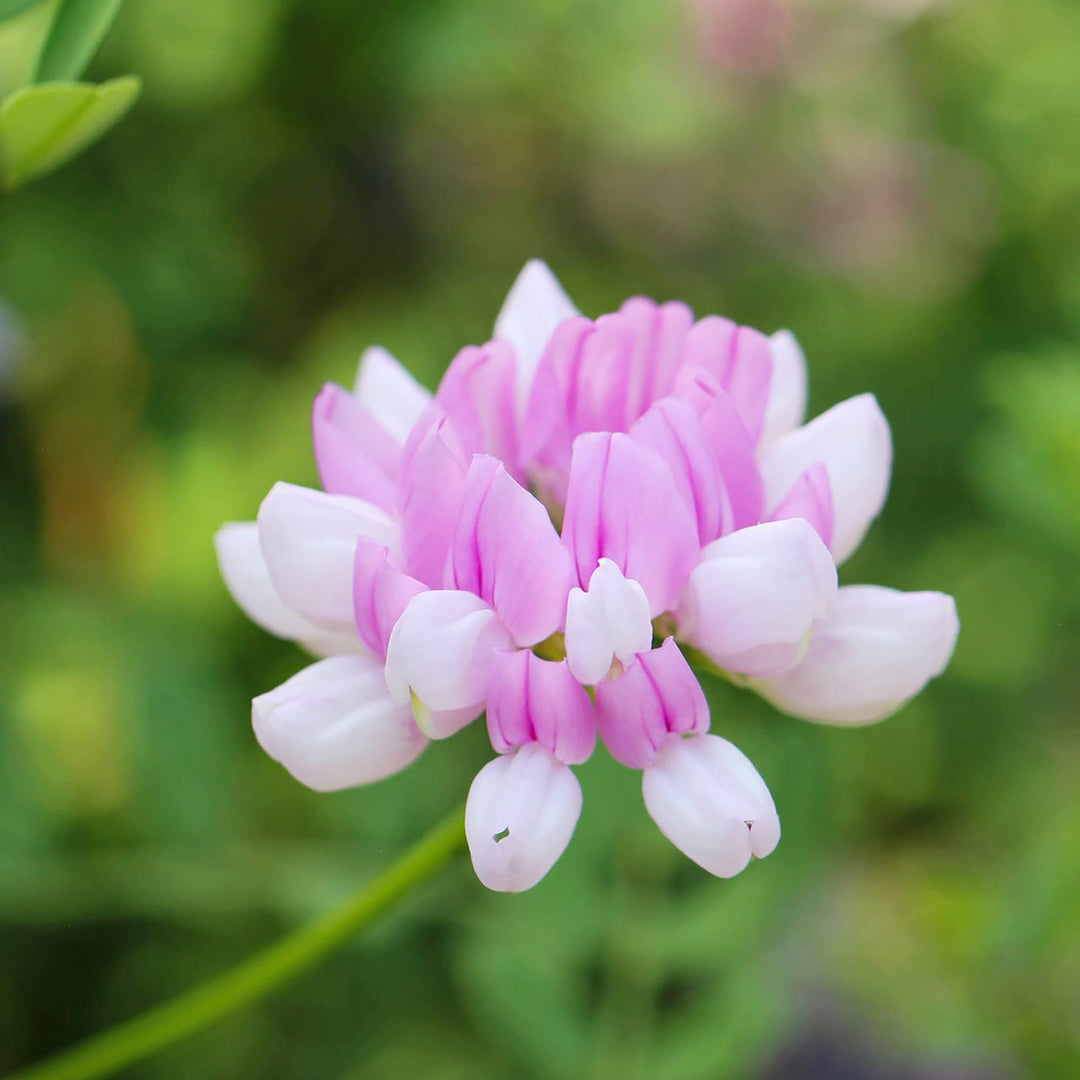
(136, 1039)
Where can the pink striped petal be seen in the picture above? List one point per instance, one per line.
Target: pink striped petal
(853, 441)
(389, 393)
(877, 649)
(477, 393)
(753, 597)
(711, 803)
(810, 498)
(381, 593)
(622, 504)
(534, 700)
(334, 725)
(659, 334)
(506, 551)
(308, 539)
(520, 815)
(354, 453)
(656, 695)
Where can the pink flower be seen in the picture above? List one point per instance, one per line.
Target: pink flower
(696, 511)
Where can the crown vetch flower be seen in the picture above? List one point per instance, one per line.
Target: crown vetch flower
(540, 539)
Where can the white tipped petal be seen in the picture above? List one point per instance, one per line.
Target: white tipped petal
(520, 815)
(535, 305)
(786, 408)
(610, 621)
(711, 803)
(752, 599)
(247, 578)
(440, 654)
(853, 440)
(334, 725)
(392, 395)
(309, 541)
(879, 648)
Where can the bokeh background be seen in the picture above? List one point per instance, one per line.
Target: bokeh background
(898, 181)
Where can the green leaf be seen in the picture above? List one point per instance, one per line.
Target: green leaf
(43, 126)
(10, 8)
(77, 29)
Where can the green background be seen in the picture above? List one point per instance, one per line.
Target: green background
(896, 181)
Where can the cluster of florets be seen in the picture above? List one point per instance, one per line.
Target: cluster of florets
(580, 505)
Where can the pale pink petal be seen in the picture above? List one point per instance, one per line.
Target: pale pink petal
(429, 495)
(247, 577)
(440, 656)
(853, 441)
(506, 551)
(659, 334)
(671, 428)
(753, 597)
(656, 695)
(354, 453)
(389, 392)
(810, 497)
(786, 409)
(477, 393)
(534, 700)
(520, 816)
(877, 649)
(534, 307)
(381, 593)
(308, 539)
(608, 622)
(622, 504)
(711, 803)
(334, 725)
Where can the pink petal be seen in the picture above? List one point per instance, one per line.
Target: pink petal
(355, 455)
(656, 695)
(429, 495)
(810, 498)
(390, 393)
(608, 622)
(247, 578)
(520, 815)
(535, 306)
(877, 649)
(381, 593)
(440, 656)
(534, 700)
(786, 409)
(477, 393)
(711, 803)
(334, 725)
(753, 597)
(506, 551)
(853, 441)
(622, 504)
(659, 333)
(308, 539)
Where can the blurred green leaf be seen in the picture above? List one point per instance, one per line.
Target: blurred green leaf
(75, 34)
(10, 8)
(43, 126)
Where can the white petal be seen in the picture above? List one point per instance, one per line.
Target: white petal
(440, 653)
(711, 803)
(786, 409)
(877, 649)
(309, 541)
(752, 599)
(610, 621)
(247, 578)
(519, 817)
(535, 305)
(334, 725)
(854, 442)
(394, 397)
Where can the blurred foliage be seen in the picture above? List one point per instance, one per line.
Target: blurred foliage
(896, 180)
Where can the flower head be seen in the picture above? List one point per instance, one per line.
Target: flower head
(543, 539)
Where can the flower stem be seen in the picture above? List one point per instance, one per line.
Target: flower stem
(104, 1054)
